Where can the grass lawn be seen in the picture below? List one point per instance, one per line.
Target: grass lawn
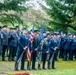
(62, 68)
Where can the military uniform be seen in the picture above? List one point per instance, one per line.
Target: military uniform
(53, 43)
(73, 49)
(45, 50)
(23, 42)
(13, 41)
(1, 40)
(62, 38)
(35, 46)
(67, 48)
(39, 53)
(5, 43)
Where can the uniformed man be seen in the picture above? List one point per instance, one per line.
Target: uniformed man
(35, 46)
(67, 46)
(13, 41)
(1, 40)
(53, 46)
(23, 43)
(45, 50)
(62, 38)
(73, 48)
(5, 41)
(58, 49)
(39, 51)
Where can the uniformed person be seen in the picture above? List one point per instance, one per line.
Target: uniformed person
(73, 48)
(13, 42)
(58, 49)
(23, 43)
(62, 38)
(1, 40)
(45, 50)
(67, 46)
(5, 41)
(53, 46)
(35, 46)
(39, 51)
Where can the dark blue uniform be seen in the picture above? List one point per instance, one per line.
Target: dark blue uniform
(23, 41)
(58, 49)
(13, 41)
(5, 43)
(73, 49)
(39, 52)
(67, 47)
(45, 50)
(53, 43)
(62, 38)
(1, 40)
(35, 47)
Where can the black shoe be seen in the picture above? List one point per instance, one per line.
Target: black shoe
(53, 68)
(9, 59)
(23, 69)
(44, 68)
(13, 60)
(16, 69)
(3, 59)
(34, 68)
(29, 69)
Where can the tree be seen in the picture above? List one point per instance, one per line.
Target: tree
(10, 11)
(62, 14)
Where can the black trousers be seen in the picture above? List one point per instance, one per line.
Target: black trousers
(19, 53)
(44, 57)
(12, 53)
(61, 52)
(5, 47)
(34, 55)
(66, 55)
(51, 60)
(72, 53)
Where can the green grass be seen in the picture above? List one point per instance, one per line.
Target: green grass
(62, 68)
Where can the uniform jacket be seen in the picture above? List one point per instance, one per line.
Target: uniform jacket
(52, 44)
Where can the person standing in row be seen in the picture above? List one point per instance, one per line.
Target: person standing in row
(73, 48)
(34, 49)
(13, 41)
(1, 40)
(5, 41)
(53, 46)
(45, 50)
(67, 47)
(23, 44)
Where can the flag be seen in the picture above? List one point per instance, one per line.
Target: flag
(32, 33)
(28, 54)
(42, 31)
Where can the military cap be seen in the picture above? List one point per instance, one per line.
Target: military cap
(35, 30)
(24, 28)
(69, 34)
(45, 36)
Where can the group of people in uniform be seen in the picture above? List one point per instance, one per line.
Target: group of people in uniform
(53, 46)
